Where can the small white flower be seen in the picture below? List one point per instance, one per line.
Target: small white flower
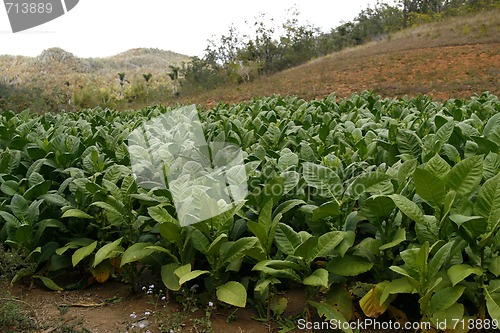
(163, 298)
(152, 286)
(210, 304)
(144, 288)
(147, 313)
(133, 315)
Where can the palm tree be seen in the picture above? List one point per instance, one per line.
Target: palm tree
(147, 77)
(174, 76)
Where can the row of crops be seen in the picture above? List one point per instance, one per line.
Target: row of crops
(359, 201)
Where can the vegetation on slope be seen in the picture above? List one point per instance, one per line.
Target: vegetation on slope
(56, 79)
(457, 57)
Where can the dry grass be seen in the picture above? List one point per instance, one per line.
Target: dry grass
(456, 58)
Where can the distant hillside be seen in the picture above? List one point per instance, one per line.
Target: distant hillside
(457, 57)
(56, 72)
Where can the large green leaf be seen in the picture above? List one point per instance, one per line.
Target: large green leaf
(398, 286)
(82, 253)
(328, 209)
(73, 212)
(279, 269)
(409, 143)
(49, 283)
(169, 278)
(287, 160)
(377, 208)
(331, 314)
(429, 187)
(492, 129)
(438, 167)
(442, 136)
(465, 176)
(458, 273)
(161, 215)
(494, 266)
(491, 165)
(107, 207)
(487, 203)
(286, 239)
(327, 243)
(19, 207)
(191, 276)
(276, 264)
(445, 298)
(399, 237)
(37, 190)
(232, 293)
(110, 250)
(370, 182)
(492, 297)
(450, 319)
(319, 278)
(440, 258)
(290, 180)
(409, 208)
(470, 227)
(136, 252)
(74, 244)
(349, 265)
(232, 251)
(324, 179)
(199, 241)
(262, 286)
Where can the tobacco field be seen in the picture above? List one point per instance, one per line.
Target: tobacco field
(364, 202)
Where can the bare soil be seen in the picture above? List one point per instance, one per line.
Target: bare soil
(459, 71)
(107, 308)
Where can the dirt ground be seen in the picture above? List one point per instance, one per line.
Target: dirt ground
(107, 308)
(459, 71)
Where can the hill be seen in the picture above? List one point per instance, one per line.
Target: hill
(457, 57)
(56, 72)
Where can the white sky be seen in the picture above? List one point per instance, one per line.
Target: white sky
(100, 28)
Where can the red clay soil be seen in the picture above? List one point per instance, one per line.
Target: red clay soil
(459, 71)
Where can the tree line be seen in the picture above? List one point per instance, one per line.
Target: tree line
(236, 57)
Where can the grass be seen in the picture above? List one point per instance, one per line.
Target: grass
(16, 316)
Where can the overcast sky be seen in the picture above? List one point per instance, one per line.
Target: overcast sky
(100, 28)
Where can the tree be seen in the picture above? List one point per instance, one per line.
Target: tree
(174, 76)
(121, 76)
(147, 77)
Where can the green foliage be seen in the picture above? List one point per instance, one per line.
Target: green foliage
(339, 191)
(15, 315)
